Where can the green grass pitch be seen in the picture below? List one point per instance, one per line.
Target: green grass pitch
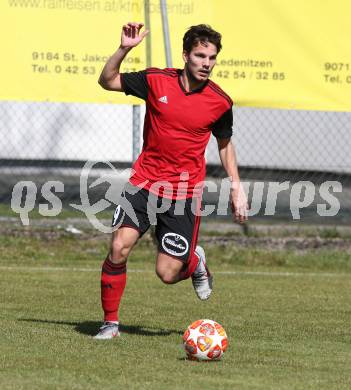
(287, 317)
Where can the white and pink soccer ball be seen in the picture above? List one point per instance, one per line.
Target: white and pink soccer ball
(205, 340)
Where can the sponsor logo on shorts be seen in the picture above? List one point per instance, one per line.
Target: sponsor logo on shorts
(175, 244)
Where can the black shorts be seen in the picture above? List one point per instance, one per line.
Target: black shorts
(177, 224)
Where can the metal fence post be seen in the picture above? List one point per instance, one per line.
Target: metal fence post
(166, 36)
(136, 131)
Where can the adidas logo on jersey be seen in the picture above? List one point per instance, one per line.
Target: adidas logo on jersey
(163, 99)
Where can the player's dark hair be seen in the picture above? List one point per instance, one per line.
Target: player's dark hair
(201, 33)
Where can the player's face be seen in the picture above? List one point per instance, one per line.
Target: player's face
(200, 61)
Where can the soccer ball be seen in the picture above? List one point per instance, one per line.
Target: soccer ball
(205, 340)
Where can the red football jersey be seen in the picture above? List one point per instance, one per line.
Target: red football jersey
(177, 128)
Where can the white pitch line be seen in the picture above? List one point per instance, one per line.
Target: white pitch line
(256, 273)
(248, 273)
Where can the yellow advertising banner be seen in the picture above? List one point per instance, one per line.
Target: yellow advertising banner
(276, 53)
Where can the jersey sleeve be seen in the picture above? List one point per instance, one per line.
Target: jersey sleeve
(135, 83)
(223, 127)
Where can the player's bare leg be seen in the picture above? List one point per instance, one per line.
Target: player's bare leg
(113, 279)
(170, 271)
(122, 242)
(168, 268)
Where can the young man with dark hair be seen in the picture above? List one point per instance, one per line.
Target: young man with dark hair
(183, 109)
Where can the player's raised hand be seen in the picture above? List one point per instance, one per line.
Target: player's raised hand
(131, 35)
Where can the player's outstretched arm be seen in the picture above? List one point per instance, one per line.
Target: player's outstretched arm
(130, 37)
(239, 202)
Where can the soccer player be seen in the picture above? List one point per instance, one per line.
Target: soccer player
(183, 109)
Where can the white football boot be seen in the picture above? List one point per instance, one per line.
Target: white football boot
(201, 278)
(108, 331)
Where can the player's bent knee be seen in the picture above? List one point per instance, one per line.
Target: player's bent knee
(166, 276)
(119, 250)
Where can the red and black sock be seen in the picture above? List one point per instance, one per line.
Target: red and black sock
(113, 282)
(193, 260)
(190, 267)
